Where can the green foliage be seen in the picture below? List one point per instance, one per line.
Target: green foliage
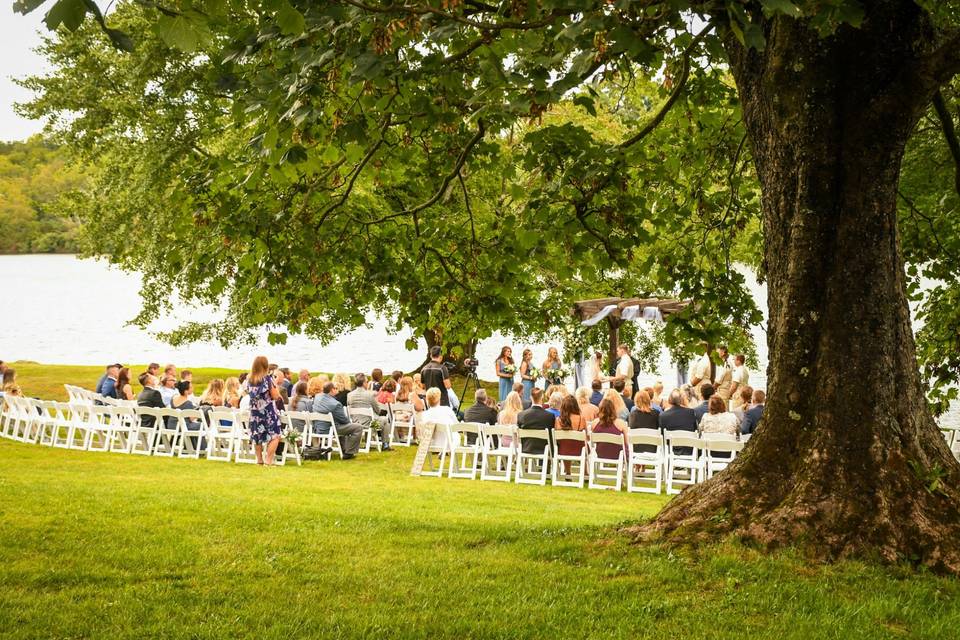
(36, 181)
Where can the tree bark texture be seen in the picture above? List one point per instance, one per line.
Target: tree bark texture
(848, 461)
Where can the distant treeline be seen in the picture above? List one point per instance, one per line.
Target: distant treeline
(35, 179)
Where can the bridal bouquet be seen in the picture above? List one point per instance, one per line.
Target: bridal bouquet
(533, 372)
(557, 375)
(508, 368)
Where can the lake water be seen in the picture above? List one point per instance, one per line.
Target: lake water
(63, 310)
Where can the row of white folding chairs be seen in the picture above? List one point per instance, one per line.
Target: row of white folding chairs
(89, 427)
(400, 423)
(496, 453)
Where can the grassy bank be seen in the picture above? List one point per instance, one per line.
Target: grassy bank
(46, 381)
(111, 546)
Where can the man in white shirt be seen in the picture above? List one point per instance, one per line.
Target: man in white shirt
(168, 389)
(624, 369)
(704, 369)
(741, 377)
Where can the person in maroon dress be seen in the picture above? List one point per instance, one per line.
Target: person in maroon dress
(607, 423)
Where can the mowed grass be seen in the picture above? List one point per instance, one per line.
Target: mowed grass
(114, 546)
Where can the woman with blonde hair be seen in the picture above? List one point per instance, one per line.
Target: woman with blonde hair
(264, 417)
(512, 407)
(528, 381)
(588, 410)
(620, 407)
(213, 394)
(344, 386)
(232, 393)
(408, 394)
(548, 371)
(315, 385)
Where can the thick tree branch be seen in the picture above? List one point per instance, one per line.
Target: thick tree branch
(950, 134)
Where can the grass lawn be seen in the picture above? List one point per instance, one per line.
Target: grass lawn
(114, 546)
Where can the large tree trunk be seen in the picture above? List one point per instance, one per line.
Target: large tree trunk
(848, 460)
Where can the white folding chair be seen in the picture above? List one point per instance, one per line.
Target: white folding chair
(368, 437)
(645, 467)
(144, 434)
(497, 452)
(606, 473)
(31, 419)
(122, 427)
(440, 446)
(532, 468)
(401, 416)
(329, 440)
(293, 421)
(577, 463)
(464, 457)
(98, 428)
(47, 422)
(243, 447)
(745, 437)
(167, 439)
(192, 442)
(683, 468)
(220, 434)
(64, 429)
(714, 443)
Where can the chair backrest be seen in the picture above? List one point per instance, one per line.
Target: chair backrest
(682, 439)
(645, 436)
(405, 409)
(711, 445)
(569, 434)
(533, 434)
(360, 411)
(219, 415)
(718, 437)
(607, 438)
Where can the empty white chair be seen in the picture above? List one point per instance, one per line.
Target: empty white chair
(606, 473)
(724, 444)
(220, 434)
(47, 422)
(122, 427)
(31, 420)
(464, 455)
(497, 452)
(401, 416)
(98, 428)
(63, 431)
(569, 470)
(683, 468)
(646, 467)
(532, 468)
(243, 448)
(144, 436)
(82, 424)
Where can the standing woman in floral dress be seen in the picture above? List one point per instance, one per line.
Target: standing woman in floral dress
(264, 417)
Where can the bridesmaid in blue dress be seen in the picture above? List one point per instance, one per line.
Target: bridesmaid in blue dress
(526, 364)
(552, 362)
(505, 372)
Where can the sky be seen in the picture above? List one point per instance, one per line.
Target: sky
(18, 36)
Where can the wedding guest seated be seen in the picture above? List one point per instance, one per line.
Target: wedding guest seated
(303, 376)
(108, 389)
(344, 386)
(618, 405)
(149, 397)
(124, 388)
(481, 412)
(654, 404)
(154, 369)
(706, 392)
(608, 422)
(232, 393)
(744, 396)
(751, 419)
(283, 400)
(570, 419)
(719, 420)
(348, 432)
(438, 414)
(677, 417)
(363, 398)
(169, 370)
(621, 387)
(397, 375)
(377, 379)
(588, 410)
(287, 384)
(643, 417)
(182, 400)
(387, 394)
(597, 396)
(315, 388)
(536, 417)
(300, 402)
(518, 387)
(656, 397)
(213, 397)
(408, 394)
(168, 389)
(555, 402)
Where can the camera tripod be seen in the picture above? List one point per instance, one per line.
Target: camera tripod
(471, 375)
